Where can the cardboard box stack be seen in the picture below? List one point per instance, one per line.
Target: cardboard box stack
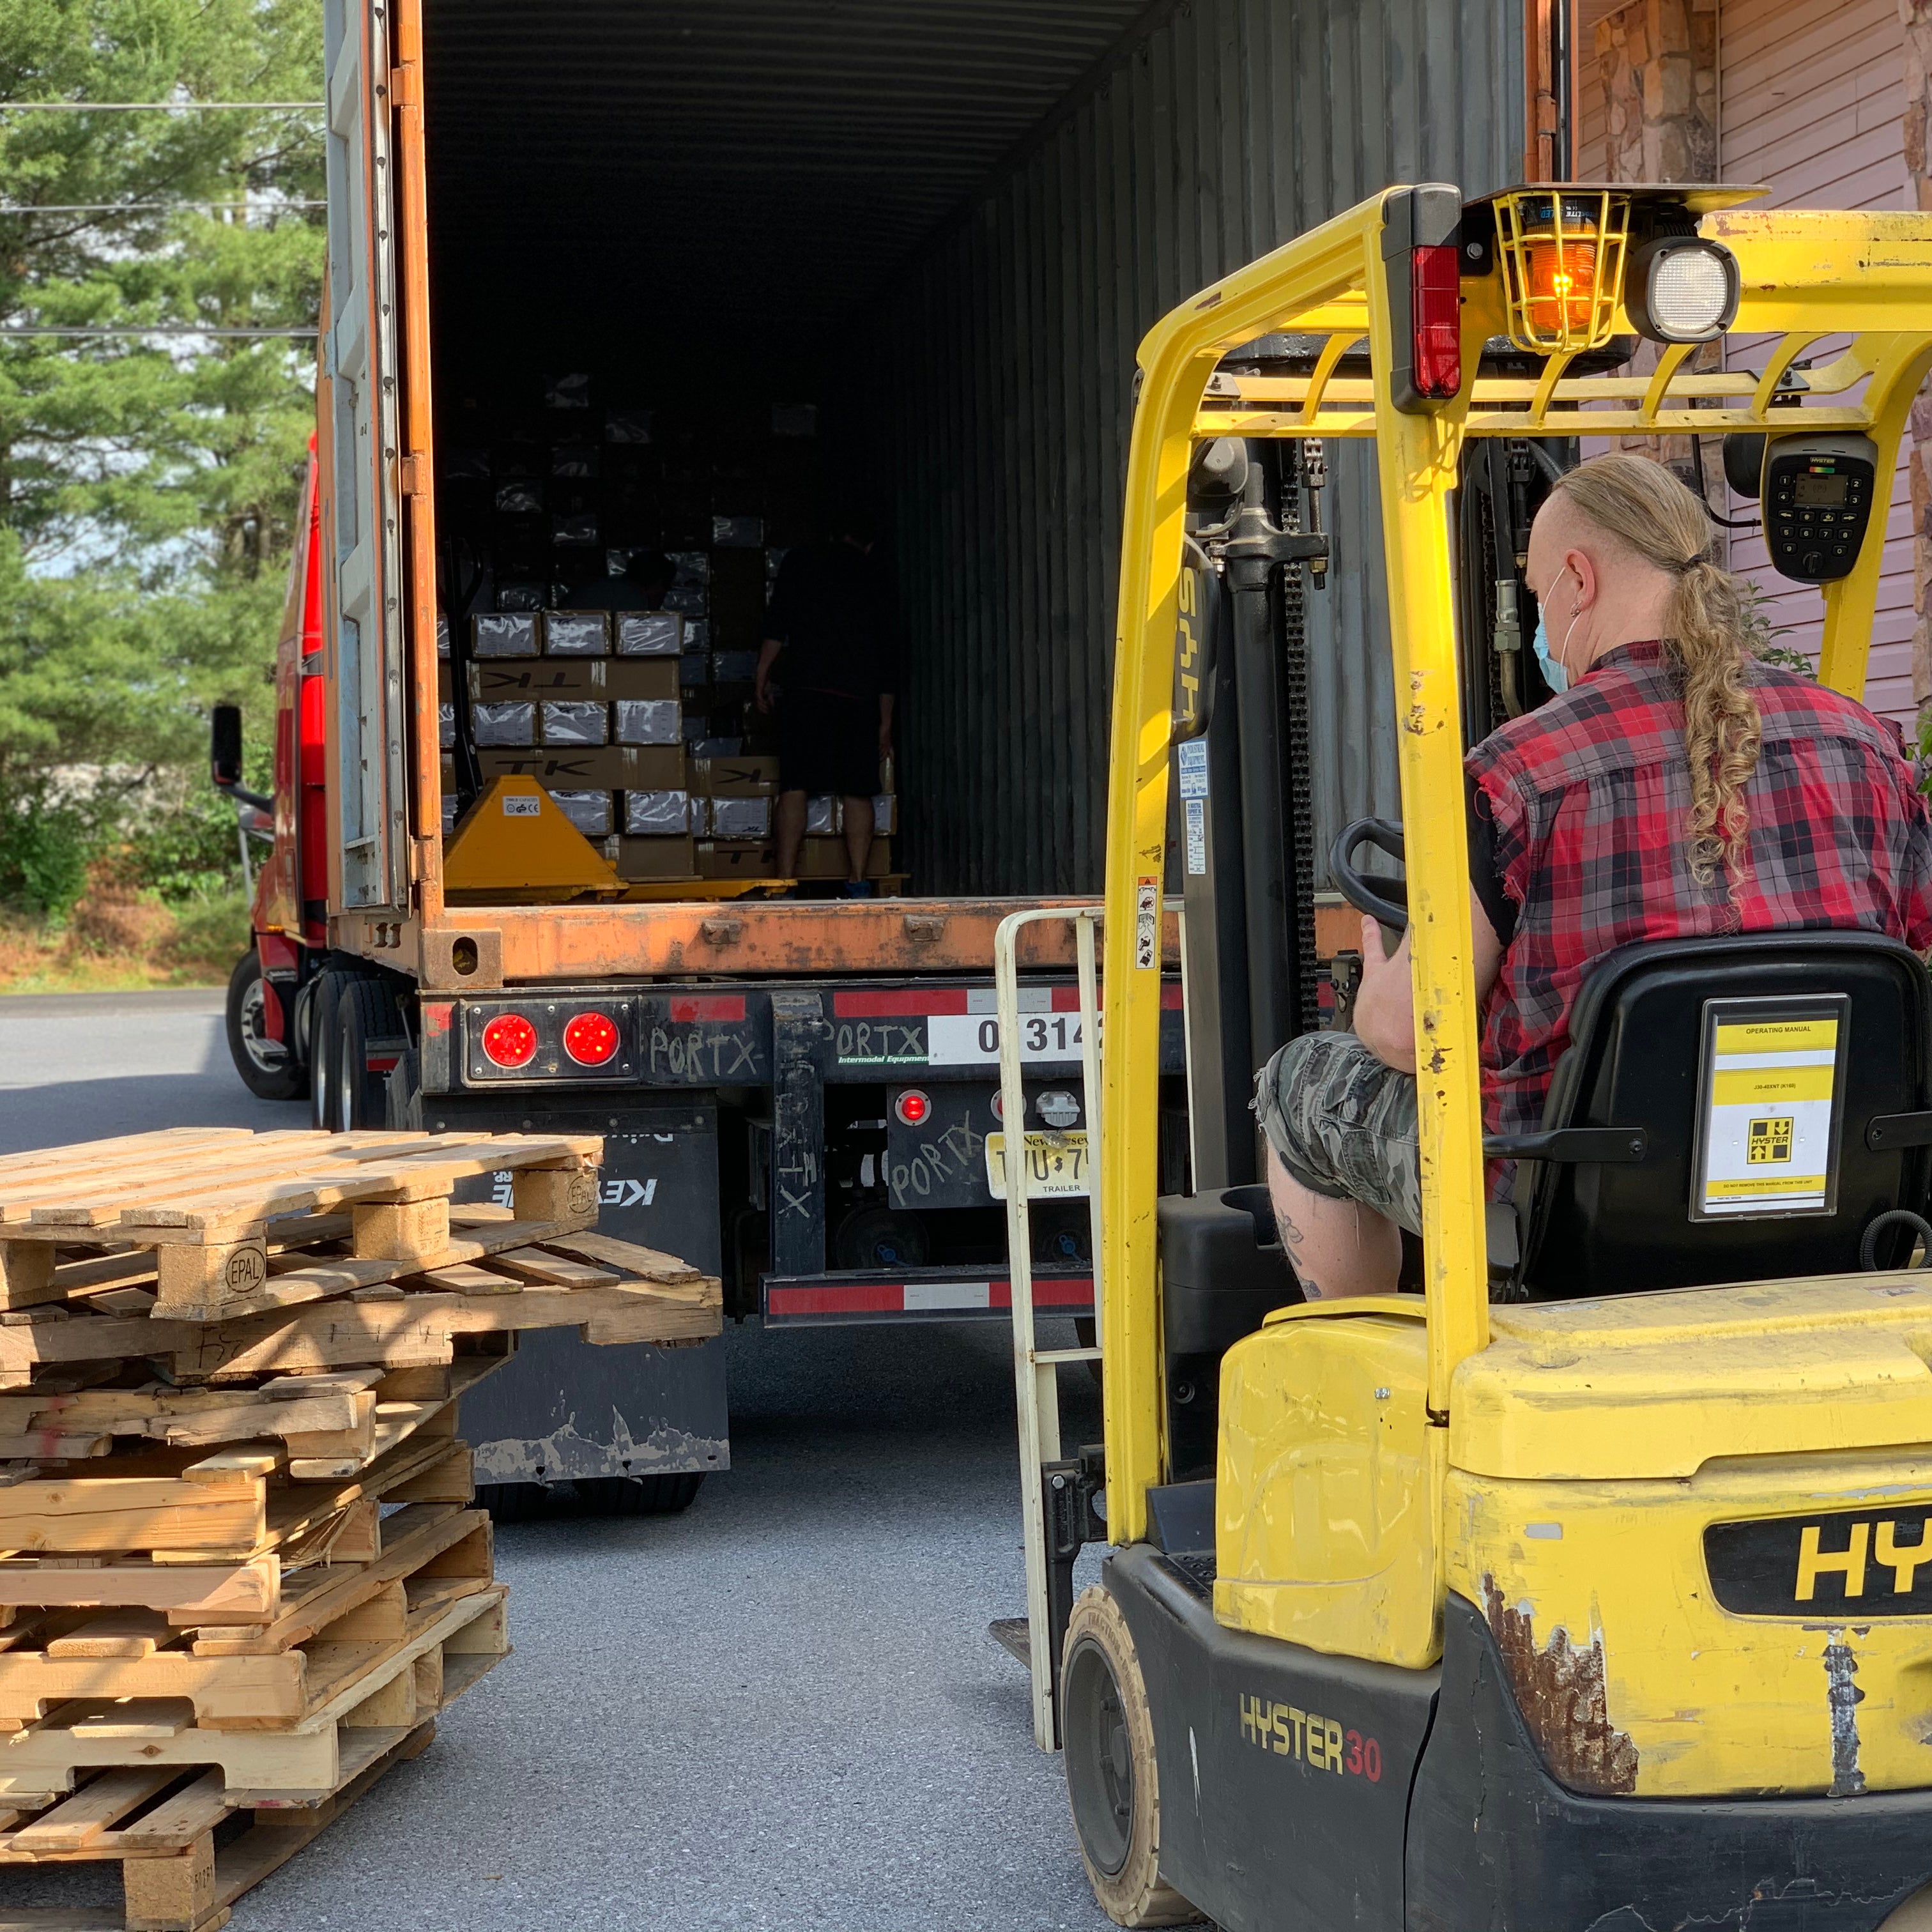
(243, 1568)
(642, 724)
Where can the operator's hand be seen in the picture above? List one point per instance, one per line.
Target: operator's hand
(764, 696)
(1384, 1007)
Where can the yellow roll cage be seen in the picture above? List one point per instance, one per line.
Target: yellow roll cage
(1807, 277)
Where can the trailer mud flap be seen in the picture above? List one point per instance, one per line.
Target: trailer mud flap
(564, 1408)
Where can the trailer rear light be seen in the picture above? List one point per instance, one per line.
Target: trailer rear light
(510, 1040)
(590, 1038)
(912, 1108)
(999, 1105)
(1435, 306)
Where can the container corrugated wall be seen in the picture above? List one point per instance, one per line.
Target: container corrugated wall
(1002, 370)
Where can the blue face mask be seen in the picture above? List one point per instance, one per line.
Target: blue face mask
(1554, 675)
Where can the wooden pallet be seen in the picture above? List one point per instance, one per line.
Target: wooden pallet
(523, 1276)
(217, 1224)
(187, 1852)
(450, 1646)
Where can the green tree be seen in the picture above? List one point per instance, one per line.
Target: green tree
(147, 483)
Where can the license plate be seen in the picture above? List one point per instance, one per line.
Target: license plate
(1056, 1165)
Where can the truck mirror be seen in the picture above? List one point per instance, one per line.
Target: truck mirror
(225, 745)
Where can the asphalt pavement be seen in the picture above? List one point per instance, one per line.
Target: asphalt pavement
(781, 1709)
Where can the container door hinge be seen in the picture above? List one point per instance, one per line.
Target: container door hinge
(404, 90)
(415, 478)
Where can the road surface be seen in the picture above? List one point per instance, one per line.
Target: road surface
(779, 1711)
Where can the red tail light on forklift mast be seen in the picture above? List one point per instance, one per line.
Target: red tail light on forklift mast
(510, 1040)
(1435, 306)
(590, 1038)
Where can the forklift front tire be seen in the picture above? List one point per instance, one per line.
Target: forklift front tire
(1111, 1782)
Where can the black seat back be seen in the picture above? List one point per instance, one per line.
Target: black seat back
(1638, 1035)
(1222, 1270)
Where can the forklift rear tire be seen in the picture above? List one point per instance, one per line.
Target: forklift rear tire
(1112, 1781)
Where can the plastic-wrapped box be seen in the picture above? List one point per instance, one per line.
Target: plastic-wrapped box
(442, 635)
(504, 634)
(445, 726)
(449, 815)
(568, 391)
(738, 817)
(580, 527)
(737, 533)
(690, 599)
(637, 677)
(885, 815)
(574, 459)
(462, 464)
(716, 747)
(497, 680)
(737, 776)
(653, 856)
(821, 814)
(649, 721)
(689, 566)
(737, 859)
(733, 667)
(514, 724)
(697, 634)
(576, 721)
(649, 633)
(519, 499)
(648, 814)
(694, 671)
(519, 596)
(590, 812)
(576, 634)
(628, 426)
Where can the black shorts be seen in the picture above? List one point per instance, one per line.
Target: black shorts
(828, 743)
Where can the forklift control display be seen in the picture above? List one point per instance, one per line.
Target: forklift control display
(1818, 492)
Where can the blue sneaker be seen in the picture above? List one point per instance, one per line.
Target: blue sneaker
(859, 888)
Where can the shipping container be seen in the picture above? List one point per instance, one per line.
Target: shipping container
(609, 281)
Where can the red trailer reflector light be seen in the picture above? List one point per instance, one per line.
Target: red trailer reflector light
(1435, 305)
(510, 1040)
(999, 1105)
(591, 1039)
(912, 1107)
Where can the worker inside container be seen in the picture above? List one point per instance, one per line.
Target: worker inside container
(1675, 786)
(829, 667)
(647, 576)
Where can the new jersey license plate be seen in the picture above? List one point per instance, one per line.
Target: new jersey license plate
(1056, 1165)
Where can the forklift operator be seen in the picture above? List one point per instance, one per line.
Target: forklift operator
(1673, 787)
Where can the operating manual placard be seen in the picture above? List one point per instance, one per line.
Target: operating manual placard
(1770, 1094)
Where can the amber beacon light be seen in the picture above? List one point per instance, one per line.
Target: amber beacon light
(1562, 257)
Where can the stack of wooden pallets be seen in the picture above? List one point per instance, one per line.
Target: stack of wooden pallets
(241, 1571)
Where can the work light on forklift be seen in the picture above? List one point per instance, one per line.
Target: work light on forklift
(510, 1041)
(1682, 289)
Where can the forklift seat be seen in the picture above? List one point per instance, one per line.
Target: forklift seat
(1604, 1193)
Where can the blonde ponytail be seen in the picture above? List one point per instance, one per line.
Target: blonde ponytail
(1643, 506)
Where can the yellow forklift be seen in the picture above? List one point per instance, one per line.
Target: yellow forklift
(1590, 1586)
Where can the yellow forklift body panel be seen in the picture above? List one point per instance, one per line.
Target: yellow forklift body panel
(1326, 1502)
(1656, 1385)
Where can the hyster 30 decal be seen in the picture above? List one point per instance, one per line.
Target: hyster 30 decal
(1321, 1743)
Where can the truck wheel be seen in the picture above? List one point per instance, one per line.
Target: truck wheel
(514, 1502)
(323, 1114)
(639, 1495)
(365, 1012)
(271, 1069)
(1112, 1781)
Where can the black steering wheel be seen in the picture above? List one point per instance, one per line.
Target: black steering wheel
(1375, 893)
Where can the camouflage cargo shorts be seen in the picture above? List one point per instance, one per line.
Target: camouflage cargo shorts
(1343, 1124)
